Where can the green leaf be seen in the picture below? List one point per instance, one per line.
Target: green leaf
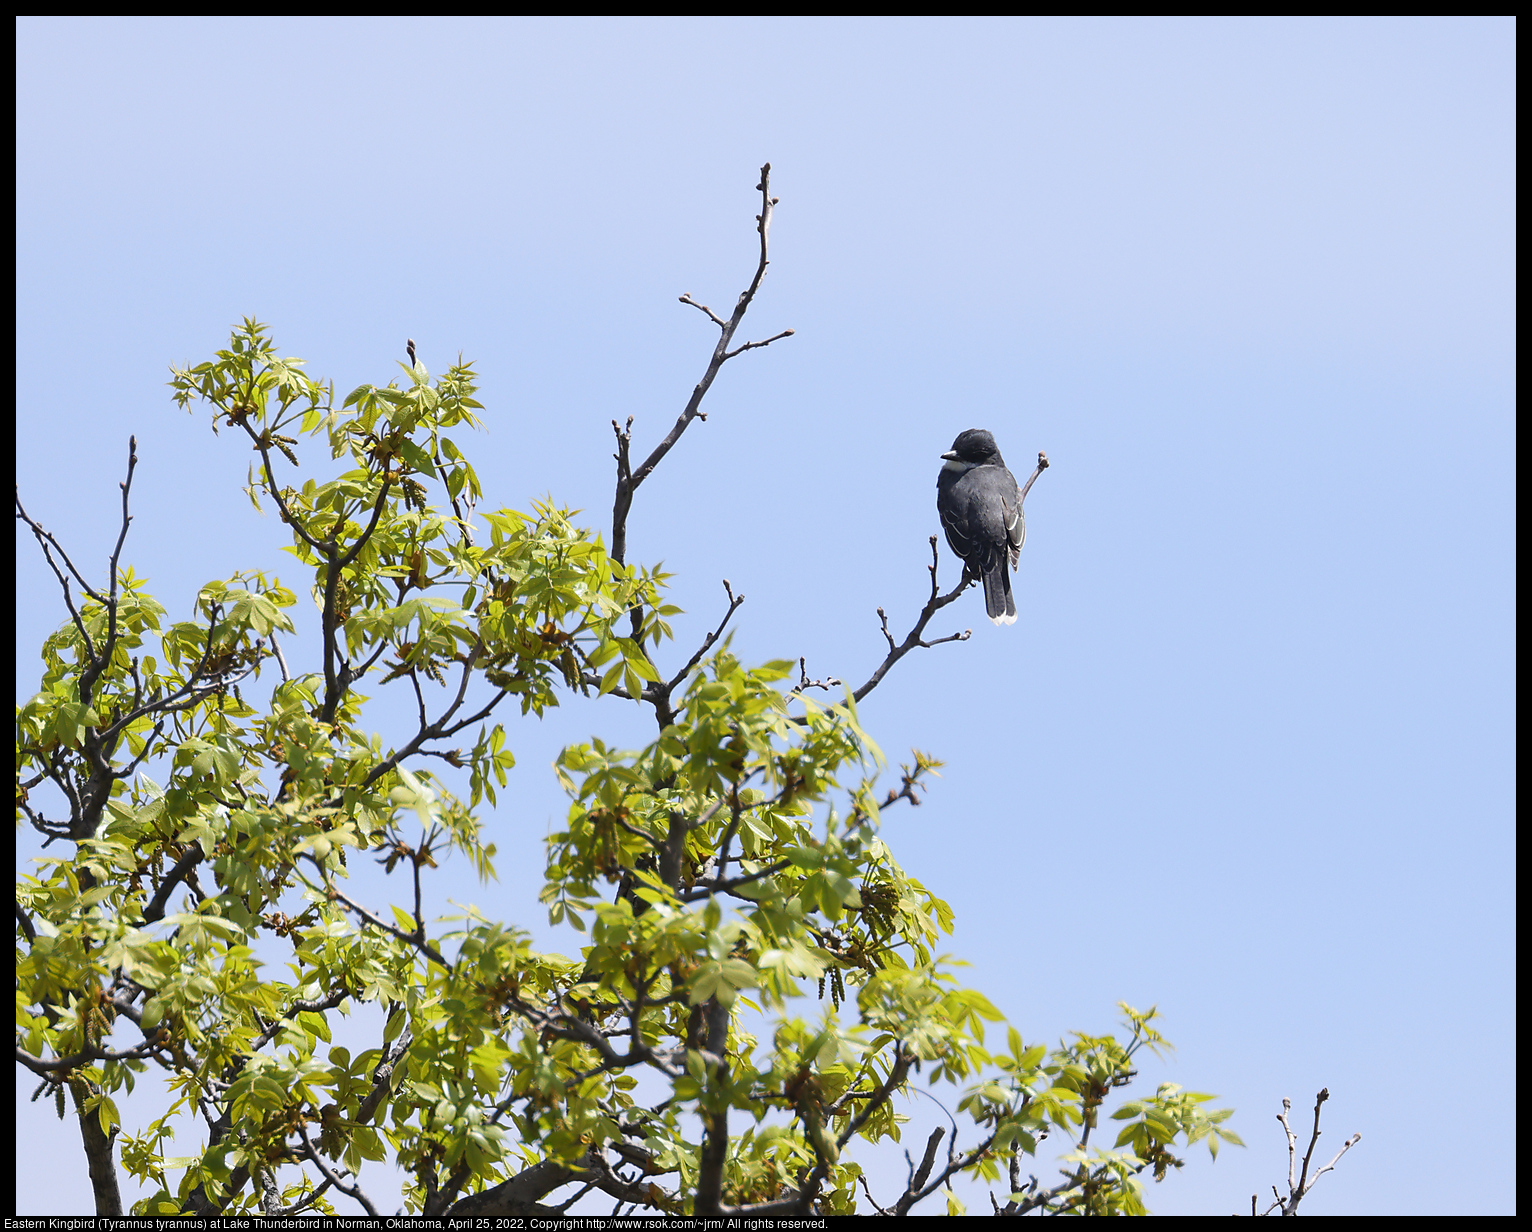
(418, 458)
(315, 1024)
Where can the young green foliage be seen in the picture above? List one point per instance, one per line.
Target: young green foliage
(753, 946)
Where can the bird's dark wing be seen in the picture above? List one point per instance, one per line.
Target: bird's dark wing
(985, 506)
(1015, 520)
(954, 517)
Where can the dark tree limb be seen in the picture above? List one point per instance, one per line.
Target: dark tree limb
(707, 1201)
(519, 1195)
(885, 1090)
(41, 1065)
(352, 1191)
(918, 1175)
(89, 676)
(98, 1149)
(382, 1078)
(180, 871)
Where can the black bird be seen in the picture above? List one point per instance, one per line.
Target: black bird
(409, 345)
(979, 502)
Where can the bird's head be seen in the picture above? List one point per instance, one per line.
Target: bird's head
(975, 447)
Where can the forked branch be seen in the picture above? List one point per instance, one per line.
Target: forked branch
(628, 479)
(914, 638)
(1299, 1185)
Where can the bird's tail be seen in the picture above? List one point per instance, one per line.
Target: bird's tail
(999, 604)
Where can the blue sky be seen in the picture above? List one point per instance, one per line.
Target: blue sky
(1246, 754)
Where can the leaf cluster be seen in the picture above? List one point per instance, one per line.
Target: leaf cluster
(725, 875)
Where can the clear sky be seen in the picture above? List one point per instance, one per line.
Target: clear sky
(1246, 754)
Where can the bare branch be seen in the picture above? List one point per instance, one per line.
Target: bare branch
(1292, 1144)
(734, 602)
(281, 662)
(805, 683)
(1042, 465)
(750, 346)
(912, 1191)
(711, 315)
(934, 604)
(49, 545)
(1298, 1186)
(122, 536)
(871, 1199)
(1324, 1094)
(628, 480)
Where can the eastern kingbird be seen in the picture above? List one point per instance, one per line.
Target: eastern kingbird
(980, 506)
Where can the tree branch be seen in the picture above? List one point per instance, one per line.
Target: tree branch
(628, 480)
(122, 537)
(707, 1201)
(381, 1078)
(41, 1066)
(351, 1191)
(182, 869)
(707, 642)
(896, 1076)
(98, 1149)
(1298, 1188)
(918, 1176)
(750, 346)
(415, 939)
(934, 604)
(519, 1195)
(711, 315)
(1042, 465)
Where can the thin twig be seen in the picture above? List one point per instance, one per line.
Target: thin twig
(1042, 465)
(1303, 1176)
(765, 342)
(351, 1191)
(711, 315)
(804, 683)
(88, 677)
(734, 603)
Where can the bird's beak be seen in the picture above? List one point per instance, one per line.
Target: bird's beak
(950, 455)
